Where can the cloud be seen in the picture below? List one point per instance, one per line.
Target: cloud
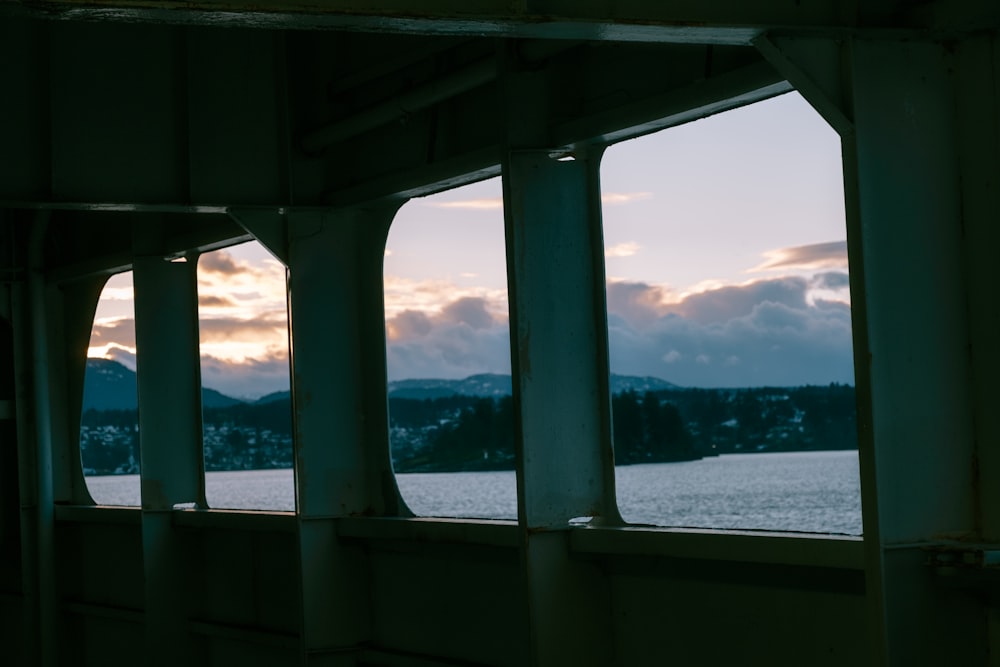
(766, 332)
(470, 311)
(408, 324)
(496, 203)
(639, 303)
(726, 303)
(831, 255)
(464, 337)
(831, 280)
(124, 356)
(486, 204)
(259, 330)
(403, 294)
(622, 249)
(113, 332)
(763, 333)
(673, 356)
(613, 198)
(221, 262)
(213, 301)
(248, 378)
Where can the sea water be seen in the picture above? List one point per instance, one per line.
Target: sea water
(796, 491)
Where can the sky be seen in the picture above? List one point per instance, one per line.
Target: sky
(725, 257)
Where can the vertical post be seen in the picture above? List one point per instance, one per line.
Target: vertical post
(342, 463)
(559, 357)
(555, 256)
(35, 452)
(170, 440)
(911, 234)
(977, 91)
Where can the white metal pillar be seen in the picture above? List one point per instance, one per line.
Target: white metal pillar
(925, 463)
(342, 462)
(559, 345)
(170, 441)
(559, 358)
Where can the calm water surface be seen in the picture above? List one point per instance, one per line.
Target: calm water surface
(797, 491)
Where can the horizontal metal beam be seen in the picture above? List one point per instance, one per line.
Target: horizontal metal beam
(729, 545)
(677, 22)
(458, 82)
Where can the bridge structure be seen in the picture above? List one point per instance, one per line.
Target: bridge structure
(136, 134)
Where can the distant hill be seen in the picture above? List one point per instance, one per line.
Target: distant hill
(488, 384)
(620, 383)
(111, 386)
(274, 396)
(484, 384)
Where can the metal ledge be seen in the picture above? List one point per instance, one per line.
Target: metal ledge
(801, 549)
(106, 514)
(455, 531)
(248, 520)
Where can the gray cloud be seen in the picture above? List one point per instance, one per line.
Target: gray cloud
(122, 356)
(470, 311)
(250, 378)
(725, 303)
(122, 332)
(211, 301)
(220, 330)
(463, 339)
(639, 303)
(830, 255)
(831, 280)
(118, 332)
(220, 262)
(764, 333)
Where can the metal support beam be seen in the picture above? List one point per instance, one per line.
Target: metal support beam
(463, 80)
(169, 382)
(340, 410)
(268, 227)
(924, 470)
(976, 66)
(170, 441)
(559, 356)
(818, 68)
(34, 445)
(559, 349)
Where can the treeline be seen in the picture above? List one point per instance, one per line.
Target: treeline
(477, 433)
(470, 433)
(772, 419)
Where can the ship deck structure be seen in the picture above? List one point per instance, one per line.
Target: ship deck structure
(137, 134)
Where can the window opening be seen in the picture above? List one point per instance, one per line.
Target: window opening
(448, 353)
(729, 324)
(109, 425)
(246, 402)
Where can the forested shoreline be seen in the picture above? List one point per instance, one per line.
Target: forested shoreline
(460, 433)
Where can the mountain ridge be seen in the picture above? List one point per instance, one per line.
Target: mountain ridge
(110, 385)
